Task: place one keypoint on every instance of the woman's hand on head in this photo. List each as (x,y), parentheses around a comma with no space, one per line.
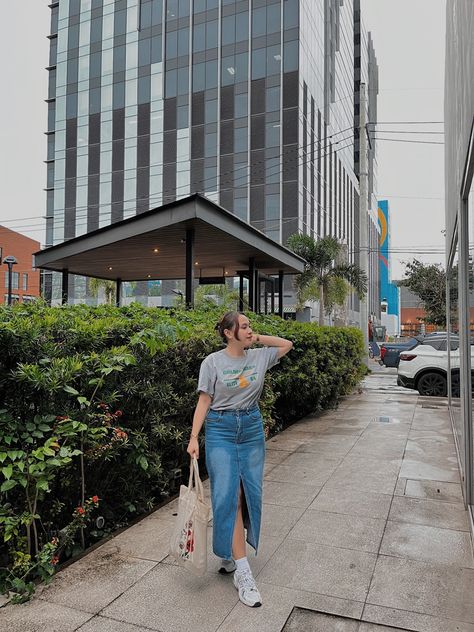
(193,447)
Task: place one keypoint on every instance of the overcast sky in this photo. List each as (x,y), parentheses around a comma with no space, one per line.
(409,43)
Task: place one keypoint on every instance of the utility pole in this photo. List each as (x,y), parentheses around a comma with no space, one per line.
(364,215)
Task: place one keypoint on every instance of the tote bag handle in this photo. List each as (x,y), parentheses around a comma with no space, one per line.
(194,478)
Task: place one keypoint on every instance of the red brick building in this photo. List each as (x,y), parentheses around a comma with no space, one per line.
(25,280)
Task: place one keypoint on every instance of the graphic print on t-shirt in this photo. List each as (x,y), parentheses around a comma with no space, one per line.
(240,378)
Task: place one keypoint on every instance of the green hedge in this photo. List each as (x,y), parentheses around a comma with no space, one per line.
(97,408)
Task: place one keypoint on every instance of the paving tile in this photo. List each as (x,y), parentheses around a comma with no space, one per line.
(276,456)
(414,468)
(436,490)
(324,448)
(285,441)
(148,539)
(268,467)
(103,624)
(166,512)
(300,475)
(429,544)
(351,502)
(362,482)
(373,627)
(410,621)
(279,520)
(317,464)
(437,590)
(269,542)
(382,466)
(400,486)
(95,580)
(312,426)
(278,603)
(289,494)
(170,599)
(321,569)
(437,437)
(302,620)
(433,513)
(340,530)
(40,616)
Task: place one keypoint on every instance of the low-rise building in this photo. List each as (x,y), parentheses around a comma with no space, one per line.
(25,279)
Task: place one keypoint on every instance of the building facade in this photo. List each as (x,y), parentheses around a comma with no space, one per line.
(459,170)
(389,291)
(250,102)
(25,280)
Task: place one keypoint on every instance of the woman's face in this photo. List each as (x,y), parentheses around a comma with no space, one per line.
(244,333)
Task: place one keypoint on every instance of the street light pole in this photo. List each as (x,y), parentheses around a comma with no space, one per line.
(10,261)
(364,218)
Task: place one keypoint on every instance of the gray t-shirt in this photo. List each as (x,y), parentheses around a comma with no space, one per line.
(236,383)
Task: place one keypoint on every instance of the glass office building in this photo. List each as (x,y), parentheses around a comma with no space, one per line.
(250,102)
(459,180)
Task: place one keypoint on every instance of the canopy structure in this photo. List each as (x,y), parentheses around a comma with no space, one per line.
(191,238)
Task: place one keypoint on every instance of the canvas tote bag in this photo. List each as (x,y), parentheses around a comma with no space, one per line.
(189,537)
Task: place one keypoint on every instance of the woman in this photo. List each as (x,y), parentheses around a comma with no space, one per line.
(230,385)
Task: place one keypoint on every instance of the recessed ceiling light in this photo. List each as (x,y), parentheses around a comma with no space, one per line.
(149,276)
(110,267)
(156,250)
(196,263)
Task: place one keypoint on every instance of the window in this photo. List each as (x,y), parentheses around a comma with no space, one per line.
(259,22)
(240,139)
(273,99)
(15,280)
(241,105)
(25,281)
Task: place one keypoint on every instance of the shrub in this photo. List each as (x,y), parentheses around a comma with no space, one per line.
(97,408)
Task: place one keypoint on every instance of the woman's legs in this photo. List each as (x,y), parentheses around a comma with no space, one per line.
(238,540)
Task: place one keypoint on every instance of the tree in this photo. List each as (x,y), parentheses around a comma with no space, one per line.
(109,287)
(326,276)
(428,282)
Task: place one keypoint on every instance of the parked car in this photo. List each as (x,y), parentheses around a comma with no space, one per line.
(425,368)
(390,351)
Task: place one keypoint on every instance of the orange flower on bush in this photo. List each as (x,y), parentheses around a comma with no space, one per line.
(120,434)
(95,499)
(54,560)
(80,510)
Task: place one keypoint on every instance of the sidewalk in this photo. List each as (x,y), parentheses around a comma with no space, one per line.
(363,520)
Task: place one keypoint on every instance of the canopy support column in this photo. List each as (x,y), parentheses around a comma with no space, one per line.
(189,268)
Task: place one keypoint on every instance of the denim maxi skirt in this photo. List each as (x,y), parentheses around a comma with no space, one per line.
(235,453)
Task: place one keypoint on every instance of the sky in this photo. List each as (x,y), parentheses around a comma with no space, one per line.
(411,76)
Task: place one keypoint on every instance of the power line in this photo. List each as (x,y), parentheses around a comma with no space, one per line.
(407,197)
(81,212)
(406,123)
(418,142)
(398,131)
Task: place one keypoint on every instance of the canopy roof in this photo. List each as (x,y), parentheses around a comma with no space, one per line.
(152,245)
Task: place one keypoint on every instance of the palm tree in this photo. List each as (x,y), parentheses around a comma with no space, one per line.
(326,276)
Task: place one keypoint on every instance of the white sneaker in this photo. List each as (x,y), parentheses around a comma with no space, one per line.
(248,592)
(227,567)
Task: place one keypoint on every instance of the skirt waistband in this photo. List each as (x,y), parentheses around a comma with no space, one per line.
(235,410)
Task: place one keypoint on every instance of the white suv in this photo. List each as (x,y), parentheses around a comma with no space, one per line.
(425,368)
